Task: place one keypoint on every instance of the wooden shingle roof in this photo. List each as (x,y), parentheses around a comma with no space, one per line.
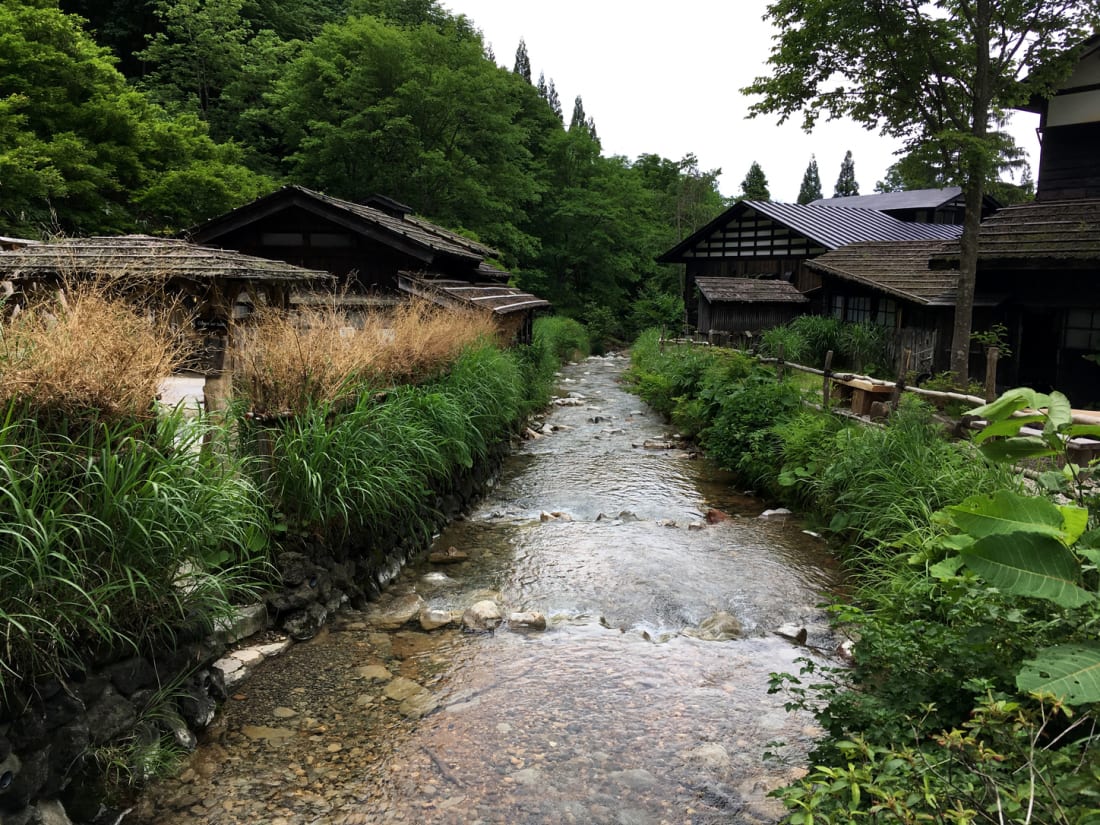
(415,234)
(123,256)
(1065,234)
(898,268)
(498,298)
(749,291)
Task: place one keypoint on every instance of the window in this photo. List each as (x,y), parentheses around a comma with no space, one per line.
(858,310)
(281,239)
(887,314)
(1082,329)
(836,308)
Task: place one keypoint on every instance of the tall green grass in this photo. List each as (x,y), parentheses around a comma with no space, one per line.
(114,541)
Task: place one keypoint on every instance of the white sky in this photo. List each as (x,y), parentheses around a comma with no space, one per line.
(664,79)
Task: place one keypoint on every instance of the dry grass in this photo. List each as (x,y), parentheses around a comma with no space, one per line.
(78,351)
(285,362)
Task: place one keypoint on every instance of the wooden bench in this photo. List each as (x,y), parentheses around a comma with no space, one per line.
(861,394)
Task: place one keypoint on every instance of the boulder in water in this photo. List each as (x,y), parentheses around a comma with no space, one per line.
(482,616)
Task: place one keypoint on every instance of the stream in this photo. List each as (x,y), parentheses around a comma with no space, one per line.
(620,711)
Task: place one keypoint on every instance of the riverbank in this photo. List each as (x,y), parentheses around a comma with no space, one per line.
(148,534)
(623,709)
(937,693)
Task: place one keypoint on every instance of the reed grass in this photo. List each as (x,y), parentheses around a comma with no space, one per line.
(286,362)
(116,540)
(81,351)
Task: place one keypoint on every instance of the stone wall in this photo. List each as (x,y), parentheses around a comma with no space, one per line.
(49,732)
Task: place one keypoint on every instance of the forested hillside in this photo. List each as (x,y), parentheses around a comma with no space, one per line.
(151,116)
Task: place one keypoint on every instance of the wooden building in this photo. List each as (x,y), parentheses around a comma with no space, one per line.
(512,308)
(892,285)
(366,244)
(1069,123)
(207,288)
(741,308)
(945,205)
(371,247)
(760,239)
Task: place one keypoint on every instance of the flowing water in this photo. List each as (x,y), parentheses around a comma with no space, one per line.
(614,714)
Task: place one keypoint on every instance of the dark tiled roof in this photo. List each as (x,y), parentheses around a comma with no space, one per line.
(899,268)
(1029,234)
(499,298)
(749,291)
(142,256)
(885,201)
(835,226)
(827,226)
(420,232)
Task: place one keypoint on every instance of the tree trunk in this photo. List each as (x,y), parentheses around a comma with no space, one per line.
(976,161)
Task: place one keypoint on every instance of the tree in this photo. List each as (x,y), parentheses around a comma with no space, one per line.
(755,185)
(523,62)
(926,167)
(935,73)
(846,183)
(580,121)
(549,93)
(811,183)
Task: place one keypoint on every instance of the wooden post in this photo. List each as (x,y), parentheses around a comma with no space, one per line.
(899,386)
(779,363)
(991,356)
(827,379)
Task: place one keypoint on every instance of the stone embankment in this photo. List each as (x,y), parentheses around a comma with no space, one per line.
(56,735)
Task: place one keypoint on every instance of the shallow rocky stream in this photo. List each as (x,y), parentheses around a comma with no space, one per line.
(620,711)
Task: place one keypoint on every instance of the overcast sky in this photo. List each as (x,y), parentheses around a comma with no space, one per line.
(664,79)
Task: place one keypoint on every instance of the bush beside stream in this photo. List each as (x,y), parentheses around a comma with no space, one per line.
(128,536)
(927,722)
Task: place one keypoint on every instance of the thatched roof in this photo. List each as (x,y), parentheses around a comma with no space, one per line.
(749,291)
(1065,234)
(898,268)
(500,299)
(143,256)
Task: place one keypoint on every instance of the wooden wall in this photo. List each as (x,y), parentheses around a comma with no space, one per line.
(1069,166)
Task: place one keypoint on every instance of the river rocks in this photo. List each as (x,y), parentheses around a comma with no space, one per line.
(556,515)
(396,613)
(452,555)
(482,617)
(710,756)
(131,674)
(778,513)
(110,716)
(793,632)
(302,625)
(374,673)
(667,522)
(527,621)
(569,402)
(715,516)
(415,700)
(246,621)
(650,444)
(433,619)
(717,628)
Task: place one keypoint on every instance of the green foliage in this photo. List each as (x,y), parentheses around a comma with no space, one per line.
(755,185)
(811,183)
(846,184)
(359,473)
(564,338)
(115,540)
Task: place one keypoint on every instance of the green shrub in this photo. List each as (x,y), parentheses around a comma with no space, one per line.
(819,334)
(790,340)
(565,338)
(114,541)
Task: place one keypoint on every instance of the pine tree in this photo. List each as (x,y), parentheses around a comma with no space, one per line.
(554,101)
(755,185)
(579,117)
(540,87)
(846,184)
(523,62)
(811,183)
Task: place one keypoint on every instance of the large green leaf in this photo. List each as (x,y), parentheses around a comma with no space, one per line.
(1009,512)
(1011,401)
(1014,449)
(1059,411)
(1070,672)
(1076,522)
(1009,426)
(1029,564)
